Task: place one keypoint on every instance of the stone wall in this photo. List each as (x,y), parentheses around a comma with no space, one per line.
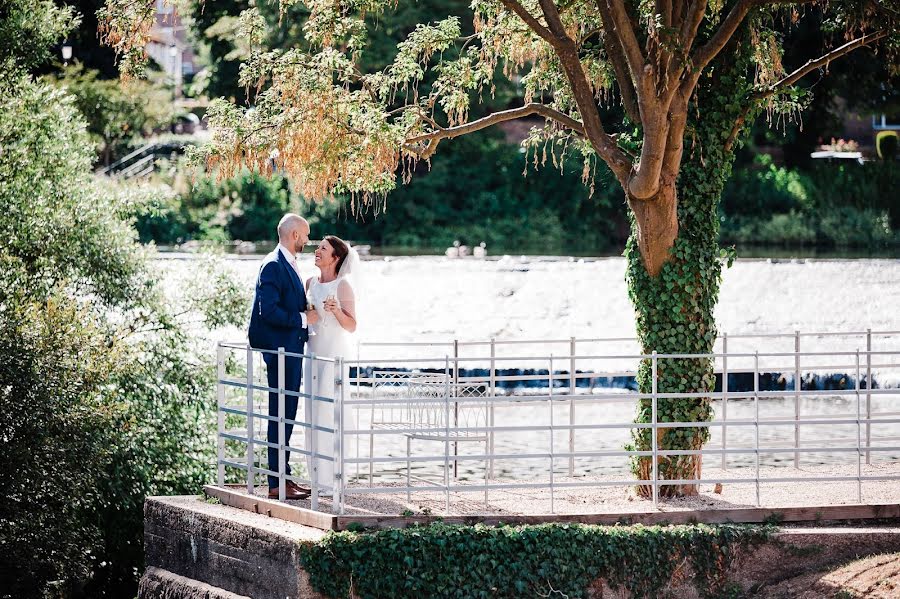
(201,550)
(198,549)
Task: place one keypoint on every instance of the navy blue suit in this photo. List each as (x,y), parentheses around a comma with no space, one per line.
(275,322)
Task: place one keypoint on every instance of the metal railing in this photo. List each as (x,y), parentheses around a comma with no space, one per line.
(555,422)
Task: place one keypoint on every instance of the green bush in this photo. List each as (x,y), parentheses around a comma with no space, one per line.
(848,226)
(563,560)
(104,388)
(833,205)
(763,188)
(872,186)
(779,229)
(246,207)
(57,434)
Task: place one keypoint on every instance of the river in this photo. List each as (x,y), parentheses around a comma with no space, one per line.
(426,298)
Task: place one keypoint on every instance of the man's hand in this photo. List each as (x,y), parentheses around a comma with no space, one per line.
(312,317)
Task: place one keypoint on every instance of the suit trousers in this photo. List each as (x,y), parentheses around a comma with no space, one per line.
(291,383)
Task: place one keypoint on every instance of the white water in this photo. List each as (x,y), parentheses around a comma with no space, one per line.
(436,299)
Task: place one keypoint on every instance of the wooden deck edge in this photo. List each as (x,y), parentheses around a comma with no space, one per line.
(271,508)
(775,515)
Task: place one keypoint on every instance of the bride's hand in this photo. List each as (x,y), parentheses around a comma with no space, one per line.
(331,305)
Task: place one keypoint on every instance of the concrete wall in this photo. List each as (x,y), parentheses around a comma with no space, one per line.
(196,549)
(200,550)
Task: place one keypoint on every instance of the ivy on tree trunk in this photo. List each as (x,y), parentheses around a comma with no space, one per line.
(675,309)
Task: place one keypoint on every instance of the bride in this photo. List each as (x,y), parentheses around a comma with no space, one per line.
(331,295)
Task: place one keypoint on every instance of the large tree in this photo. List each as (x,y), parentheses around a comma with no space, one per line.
(690,76)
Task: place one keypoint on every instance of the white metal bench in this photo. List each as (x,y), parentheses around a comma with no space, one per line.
(432,410)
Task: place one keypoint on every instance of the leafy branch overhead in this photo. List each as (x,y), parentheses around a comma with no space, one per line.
(337,129)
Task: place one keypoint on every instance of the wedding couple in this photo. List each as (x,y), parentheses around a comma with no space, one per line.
(318,315)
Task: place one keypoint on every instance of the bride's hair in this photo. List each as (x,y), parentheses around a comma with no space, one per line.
(341,250)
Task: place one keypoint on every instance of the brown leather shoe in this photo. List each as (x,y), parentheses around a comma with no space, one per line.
(291,491)
(291,485)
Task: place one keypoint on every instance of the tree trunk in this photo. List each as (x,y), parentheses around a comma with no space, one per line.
(656,226)
(674,283)
(674,273)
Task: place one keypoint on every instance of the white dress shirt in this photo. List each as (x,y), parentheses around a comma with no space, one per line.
(292,259)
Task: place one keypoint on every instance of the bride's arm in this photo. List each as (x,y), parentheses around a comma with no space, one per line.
(346,314)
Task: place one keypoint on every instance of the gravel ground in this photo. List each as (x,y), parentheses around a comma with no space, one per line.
(621,499)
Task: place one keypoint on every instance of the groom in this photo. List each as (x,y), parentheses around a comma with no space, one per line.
(280,319)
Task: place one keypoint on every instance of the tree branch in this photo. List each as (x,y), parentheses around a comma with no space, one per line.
(735,17)
(625,33)
(551,15)
(696,10)
(626,85)
(612,42)
(820,62)
(796,75)
(529,19)
(499,117)
(582,92)
(664,10)
(708,51)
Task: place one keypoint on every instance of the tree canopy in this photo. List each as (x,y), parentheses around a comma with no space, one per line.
(334,127)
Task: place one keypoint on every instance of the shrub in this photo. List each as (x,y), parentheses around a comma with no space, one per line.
(765,189)
(523,561)
(57,431)
(835,204)
(105,391)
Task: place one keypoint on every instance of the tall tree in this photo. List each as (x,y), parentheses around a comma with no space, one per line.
(690,75)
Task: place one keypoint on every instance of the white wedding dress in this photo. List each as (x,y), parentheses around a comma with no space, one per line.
(328,339)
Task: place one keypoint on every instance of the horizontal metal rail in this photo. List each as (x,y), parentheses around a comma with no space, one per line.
(447,394)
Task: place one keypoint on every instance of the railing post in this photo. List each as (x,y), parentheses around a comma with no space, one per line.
(491,412)
(220,415)
(572,383)
(858,434)
(653,430)
(868,395)
(455,404)
(250,424)
(358,409)
(447,434)
(756,418)
(314,434)
(724,401)
(550,403)
(282,442)
(337,497)
(797,386)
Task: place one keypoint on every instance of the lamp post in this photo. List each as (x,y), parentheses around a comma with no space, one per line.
(66,53)
(175,54)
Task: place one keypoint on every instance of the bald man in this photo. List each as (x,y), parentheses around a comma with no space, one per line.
(280,318)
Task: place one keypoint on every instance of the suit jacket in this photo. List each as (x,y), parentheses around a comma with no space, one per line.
(279,299)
